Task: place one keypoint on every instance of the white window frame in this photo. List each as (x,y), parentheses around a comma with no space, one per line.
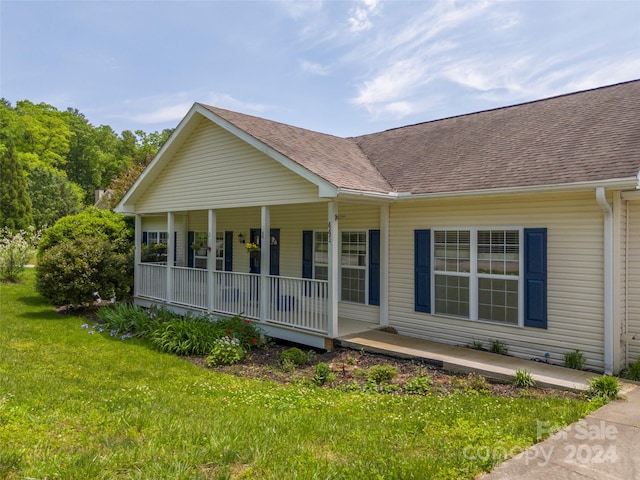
(474,276)
(365,267)
(200,234)
(157,234)
(315,244)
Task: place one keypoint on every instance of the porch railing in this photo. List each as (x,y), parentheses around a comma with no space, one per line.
(151,281)
(294,302)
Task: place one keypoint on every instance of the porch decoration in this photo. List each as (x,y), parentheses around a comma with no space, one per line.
(252,247)
(199,248)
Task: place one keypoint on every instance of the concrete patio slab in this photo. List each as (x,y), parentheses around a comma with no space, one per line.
(465,360)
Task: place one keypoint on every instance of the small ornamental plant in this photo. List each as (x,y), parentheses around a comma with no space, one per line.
(524,379)
(252,247)
(575,360)
(226,351)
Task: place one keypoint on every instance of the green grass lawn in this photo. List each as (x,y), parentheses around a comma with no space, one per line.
(79,406)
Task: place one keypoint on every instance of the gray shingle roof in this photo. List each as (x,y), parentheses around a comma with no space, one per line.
(581,137)
(338,160)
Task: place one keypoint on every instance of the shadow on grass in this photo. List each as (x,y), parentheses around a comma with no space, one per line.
(38,308)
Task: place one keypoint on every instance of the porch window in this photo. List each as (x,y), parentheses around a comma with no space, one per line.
(353,266)
(154,246)
(476,274)
(200,251)
(321,255)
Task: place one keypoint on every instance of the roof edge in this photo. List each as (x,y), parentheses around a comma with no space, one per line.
(615,183)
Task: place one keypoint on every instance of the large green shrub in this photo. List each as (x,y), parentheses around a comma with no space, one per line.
(90,223)
(80,271)
(85,256)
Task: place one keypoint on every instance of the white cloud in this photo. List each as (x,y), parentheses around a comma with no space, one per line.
(314,68)
(170,113)
(360,16)
(297,9)
(407,56)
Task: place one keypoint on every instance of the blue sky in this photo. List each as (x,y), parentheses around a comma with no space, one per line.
(340,67)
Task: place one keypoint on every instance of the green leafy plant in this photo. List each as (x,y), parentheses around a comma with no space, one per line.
(418,385)
(187,336)
(524,379)
(85,257)
(323,374)
(226,351)
(82,271)
(575,360)
(380,374)
(633,371)
(293,355)
(605,387)
(477,345)
(498,346)
(16,249)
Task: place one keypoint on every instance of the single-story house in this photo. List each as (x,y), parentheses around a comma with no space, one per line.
(519,224)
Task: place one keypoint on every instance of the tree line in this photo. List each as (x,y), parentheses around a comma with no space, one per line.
(52,162)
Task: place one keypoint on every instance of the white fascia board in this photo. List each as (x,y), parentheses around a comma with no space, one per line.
(122,206)
(326,189)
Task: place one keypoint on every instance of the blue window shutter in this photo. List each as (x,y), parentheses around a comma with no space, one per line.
(191,238)
(307,254)
(422,275)
(228,251)
(144,238)
(535,277)
(374,267)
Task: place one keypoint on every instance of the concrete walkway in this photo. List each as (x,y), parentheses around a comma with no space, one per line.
(603,446)
(465,360)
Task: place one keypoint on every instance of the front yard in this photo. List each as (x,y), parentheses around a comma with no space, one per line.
(79,406)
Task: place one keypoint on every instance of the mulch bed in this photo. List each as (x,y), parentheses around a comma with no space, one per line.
(350,365)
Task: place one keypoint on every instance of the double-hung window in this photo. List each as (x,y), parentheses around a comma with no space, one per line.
(200,249)
(155,246)
(353,266)
(320,255)
(477,274)
(359,254)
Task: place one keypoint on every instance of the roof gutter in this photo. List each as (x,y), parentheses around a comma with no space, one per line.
(601,198)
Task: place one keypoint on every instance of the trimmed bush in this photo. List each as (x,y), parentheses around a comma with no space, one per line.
(293,356)
(80,271)
(379,374)
(86,256)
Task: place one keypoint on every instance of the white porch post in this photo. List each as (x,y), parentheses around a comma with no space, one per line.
(384,265)
(171,248)
(137,251)
(212,228)
(265,262)
(334,269)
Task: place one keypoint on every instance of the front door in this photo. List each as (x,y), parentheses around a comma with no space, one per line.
(274,251)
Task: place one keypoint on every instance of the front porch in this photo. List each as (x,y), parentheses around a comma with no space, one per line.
(296,303)
(247,261)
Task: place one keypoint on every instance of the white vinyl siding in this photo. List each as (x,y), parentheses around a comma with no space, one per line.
(215,169)
(574,261)
(633,278)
